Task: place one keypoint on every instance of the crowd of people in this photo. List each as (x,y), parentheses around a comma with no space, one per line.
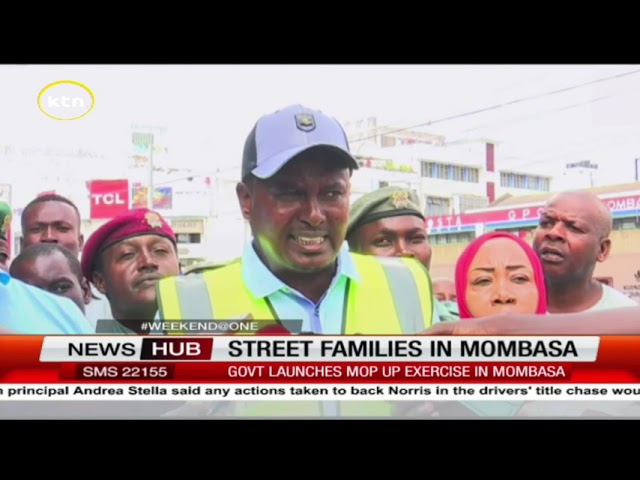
(341,268)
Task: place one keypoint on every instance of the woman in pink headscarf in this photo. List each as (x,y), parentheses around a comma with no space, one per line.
(497,273)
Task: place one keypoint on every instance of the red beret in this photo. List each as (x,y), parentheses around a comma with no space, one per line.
(140,221)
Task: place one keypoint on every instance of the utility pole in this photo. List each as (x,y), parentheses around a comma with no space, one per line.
(151,189)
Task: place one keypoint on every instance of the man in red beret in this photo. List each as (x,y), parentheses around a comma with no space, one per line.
(124,259)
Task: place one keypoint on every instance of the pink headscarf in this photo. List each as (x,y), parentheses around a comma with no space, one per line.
(464,262)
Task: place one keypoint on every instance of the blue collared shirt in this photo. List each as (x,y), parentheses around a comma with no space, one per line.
(320,318)
(25,309)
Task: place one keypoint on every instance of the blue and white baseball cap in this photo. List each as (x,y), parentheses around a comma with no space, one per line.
(278,137)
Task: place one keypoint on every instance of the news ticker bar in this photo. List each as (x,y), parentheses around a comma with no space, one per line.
(354,373)
(319,359)
(318,349)
(282,392)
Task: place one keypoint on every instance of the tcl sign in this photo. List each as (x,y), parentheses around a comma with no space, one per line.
(108,198)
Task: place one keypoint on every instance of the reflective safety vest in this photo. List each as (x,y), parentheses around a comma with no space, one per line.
(394,296)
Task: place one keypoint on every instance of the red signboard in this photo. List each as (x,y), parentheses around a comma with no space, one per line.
(620,205)
(108,198)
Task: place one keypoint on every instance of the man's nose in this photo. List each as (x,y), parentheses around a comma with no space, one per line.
(146,260)
(402,249)
(557,232)
(48,235)
(314,214)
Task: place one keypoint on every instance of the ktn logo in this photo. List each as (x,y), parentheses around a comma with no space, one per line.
(66,100)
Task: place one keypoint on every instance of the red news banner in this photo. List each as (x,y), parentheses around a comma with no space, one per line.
(320,360)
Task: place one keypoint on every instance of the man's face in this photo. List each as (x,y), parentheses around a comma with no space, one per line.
(299,216)
(52,222)
(404,235)
(53,274)
(131,268)
(444,290)
(569,240)
(4,254)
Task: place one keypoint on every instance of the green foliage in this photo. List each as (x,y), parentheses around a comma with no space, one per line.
(391,166)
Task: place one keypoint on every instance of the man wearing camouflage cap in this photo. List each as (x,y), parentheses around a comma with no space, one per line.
(389,222)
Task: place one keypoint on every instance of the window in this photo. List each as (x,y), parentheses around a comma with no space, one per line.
(626,223)
(470,202)
(436,206)
(545,184)
(450,238)
(524,181)
(455,173)
(189,237)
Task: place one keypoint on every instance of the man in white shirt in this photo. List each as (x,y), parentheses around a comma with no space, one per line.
(571,238)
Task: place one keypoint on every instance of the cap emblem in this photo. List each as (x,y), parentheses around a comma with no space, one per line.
(305,122)
(153,220)
(400,199)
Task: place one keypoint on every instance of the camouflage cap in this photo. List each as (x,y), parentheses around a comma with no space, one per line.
(5,219)
(383,203)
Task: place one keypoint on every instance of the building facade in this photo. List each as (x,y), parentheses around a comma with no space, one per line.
(449,234)
(450,177)
(467,188)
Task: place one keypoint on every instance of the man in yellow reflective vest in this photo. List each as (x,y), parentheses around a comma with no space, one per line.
(295,191)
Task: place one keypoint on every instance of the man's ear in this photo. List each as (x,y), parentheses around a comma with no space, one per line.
(86,291)
(605,249)
(244,199)
(81,241)
(98,281)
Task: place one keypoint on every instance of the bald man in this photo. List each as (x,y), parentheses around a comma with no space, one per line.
(444,289)
(571,238)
